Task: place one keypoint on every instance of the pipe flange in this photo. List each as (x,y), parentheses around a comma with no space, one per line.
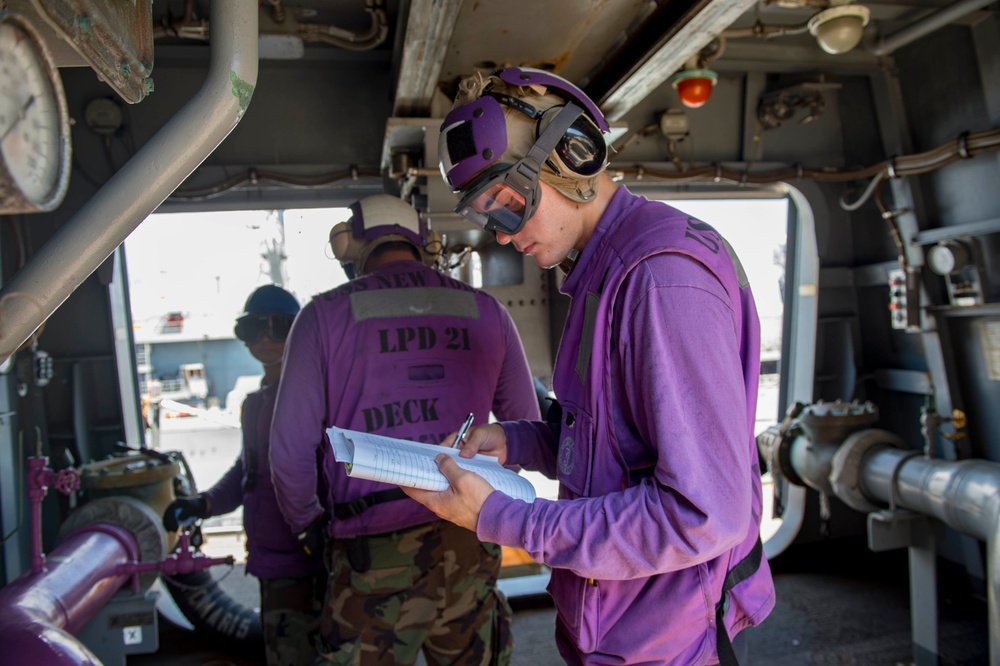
(781,459)
(845,468)
(830,422)
(132,515)
(775,445)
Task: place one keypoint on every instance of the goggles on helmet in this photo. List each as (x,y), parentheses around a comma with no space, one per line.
(252,327)
(505,196)
(500,200)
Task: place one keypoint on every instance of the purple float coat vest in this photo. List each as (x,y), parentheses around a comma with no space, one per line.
(272,550)
(657,375)
(405,352)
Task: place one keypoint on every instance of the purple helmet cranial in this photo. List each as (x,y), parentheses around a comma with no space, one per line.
(474,135)
(496,162)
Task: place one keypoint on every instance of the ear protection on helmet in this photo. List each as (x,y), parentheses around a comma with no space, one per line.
(378,220)
(581,150)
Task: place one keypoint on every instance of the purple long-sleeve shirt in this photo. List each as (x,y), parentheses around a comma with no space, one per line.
(405,351)
(656,452)
(272,550)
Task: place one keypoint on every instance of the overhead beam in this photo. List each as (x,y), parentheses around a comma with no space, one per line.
(429,27)
(683,36)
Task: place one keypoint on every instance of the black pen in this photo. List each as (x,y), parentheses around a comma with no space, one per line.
(462,431)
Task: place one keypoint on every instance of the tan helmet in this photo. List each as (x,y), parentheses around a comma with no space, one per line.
(375,221)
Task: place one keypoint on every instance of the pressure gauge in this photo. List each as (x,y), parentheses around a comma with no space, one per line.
(948,257)
(34,122)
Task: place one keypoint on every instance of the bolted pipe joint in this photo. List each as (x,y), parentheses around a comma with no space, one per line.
(805,448)
(831,422)
(774,445)
(848,461)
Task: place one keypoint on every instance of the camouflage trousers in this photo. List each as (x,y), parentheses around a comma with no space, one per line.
(430,587)
(289,615)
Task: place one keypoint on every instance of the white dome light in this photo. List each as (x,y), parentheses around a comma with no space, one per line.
(839,29)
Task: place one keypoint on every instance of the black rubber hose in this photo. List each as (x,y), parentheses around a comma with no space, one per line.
(214,614)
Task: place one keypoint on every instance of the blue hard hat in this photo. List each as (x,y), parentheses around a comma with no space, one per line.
(271,299)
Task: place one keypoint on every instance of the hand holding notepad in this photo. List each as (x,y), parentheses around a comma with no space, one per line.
(405,463)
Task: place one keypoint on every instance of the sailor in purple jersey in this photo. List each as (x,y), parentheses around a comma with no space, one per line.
(654,541)
(291,579)
(405,351)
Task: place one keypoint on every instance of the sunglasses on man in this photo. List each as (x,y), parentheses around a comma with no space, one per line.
(250,328)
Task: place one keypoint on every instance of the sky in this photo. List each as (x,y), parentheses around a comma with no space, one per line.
(206,264)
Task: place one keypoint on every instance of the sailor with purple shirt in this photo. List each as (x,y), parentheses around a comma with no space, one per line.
(291,578)
(405,351)
(654,541)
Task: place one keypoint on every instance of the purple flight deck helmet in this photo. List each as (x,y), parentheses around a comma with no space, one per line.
(502,196)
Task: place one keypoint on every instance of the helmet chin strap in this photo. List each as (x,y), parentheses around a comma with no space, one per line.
(567,264)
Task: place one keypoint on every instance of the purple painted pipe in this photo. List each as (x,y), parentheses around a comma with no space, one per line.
(40,611)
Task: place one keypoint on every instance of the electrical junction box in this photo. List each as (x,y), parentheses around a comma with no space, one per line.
(897,299)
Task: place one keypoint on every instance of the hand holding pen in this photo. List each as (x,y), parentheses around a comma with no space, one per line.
(463,430)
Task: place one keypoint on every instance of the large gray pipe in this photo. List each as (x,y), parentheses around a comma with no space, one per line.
(927,25)
(104,222)
(965,495)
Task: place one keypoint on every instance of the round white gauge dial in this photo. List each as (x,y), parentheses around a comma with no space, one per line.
(948,257)
(34,122)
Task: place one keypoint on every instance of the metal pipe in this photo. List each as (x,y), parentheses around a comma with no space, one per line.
(965,495)
(104,222)
(39,479)
(926,25)
(40,612)
(37,489)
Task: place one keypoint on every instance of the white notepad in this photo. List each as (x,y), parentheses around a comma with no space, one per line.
(405,463)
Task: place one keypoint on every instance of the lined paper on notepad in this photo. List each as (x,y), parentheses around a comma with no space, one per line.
(405,463)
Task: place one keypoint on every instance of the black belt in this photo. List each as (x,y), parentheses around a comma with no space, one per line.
(746,568)
(358,506)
